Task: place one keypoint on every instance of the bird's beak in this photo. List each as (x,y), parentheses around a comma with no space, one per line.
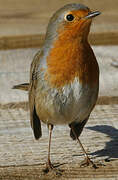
(92,14)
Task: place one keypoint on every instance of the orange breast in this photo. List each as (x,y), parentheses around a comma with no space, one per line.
(70,59)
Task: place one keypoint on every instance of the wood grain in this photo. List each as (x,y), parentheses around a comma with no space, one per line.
(33,40)
(22,157)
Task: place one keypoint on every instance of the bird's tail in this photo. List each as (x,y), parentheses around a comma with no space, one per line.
(24,86)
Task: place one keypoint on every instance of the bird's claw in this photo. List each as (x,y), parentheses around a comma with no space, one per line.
(51,167)
(88,162)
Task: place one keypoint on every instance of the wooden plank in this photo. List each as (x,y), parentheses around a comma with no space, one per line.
(70,172)
(25,41)
(23,24)
(105,38)
(22,157)
(29,41)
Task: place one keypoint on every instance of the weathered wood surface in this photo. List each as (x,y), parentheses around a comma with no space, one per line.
(37,40)
(23,23)
(22,157)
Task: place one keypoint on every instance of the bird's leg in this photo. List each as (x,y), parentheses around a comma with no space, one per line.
(88,161)
(49,165)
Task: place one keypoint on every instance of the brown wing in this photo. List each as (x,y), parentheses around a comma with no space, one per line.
(34,119)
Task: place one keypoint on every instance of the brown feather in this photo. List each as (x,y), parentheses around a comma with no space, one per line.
(34,119)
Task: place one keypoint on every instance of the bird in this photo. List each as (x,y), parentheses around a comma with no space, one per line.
(64,76)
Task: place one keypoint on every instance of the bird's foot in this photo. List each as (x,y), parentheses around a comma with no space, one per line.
(51,168)
(88,162)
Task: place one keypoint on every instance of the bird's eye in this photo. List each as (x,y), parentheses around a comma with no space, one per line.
(69,17)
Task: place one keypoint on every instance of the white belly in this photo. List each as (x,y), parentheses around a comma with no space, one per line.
(73,103)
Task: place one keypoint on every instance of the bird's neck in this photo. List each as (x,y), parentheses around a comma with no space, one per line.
(70,59)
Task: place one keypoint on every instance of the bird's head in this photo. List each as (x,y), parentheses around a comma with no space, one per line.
(71,21)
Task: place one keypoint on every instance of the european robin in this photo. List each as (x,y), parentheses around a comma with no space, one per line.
(64,75)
